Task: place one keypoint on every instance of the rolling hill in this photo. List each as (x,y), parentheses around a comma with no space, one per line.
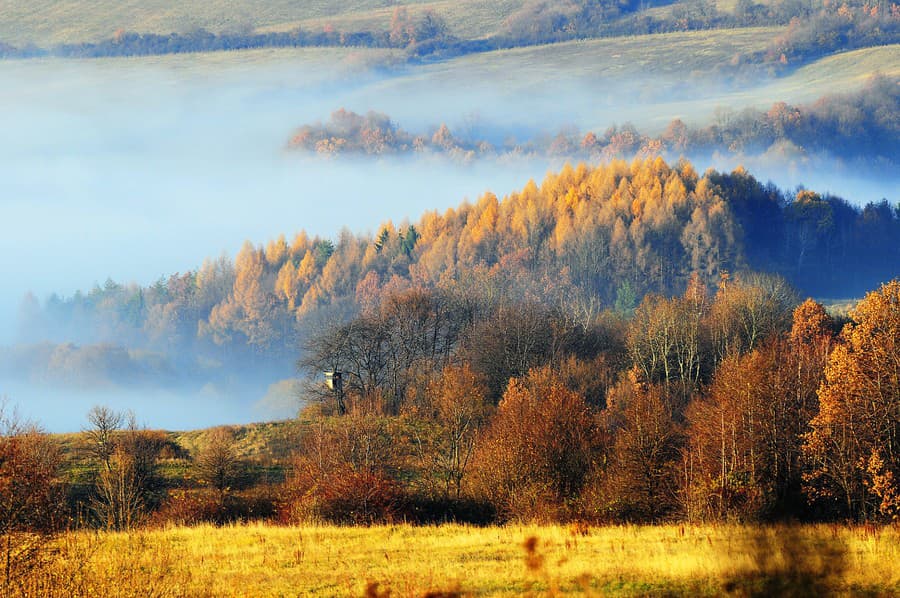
(46,22)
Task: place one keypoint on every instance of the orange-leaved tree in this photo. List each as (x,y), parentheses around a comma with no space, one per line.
(31,501)
(536,454)
(639,481)
(745,435)
(457,403)
(854,445)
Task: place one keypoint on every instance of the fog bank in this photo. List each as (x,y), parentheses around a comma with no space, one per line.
(134,169)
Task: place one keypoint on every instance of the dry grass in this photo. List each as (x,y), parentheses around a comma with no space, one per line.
(257,560)
(270,440)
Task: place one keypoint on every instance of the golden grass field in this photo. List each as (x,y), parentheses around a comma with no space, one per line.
(260,560)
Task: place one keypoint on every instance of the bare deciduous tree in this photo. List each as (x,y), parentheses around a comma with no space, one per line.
(104,422)
(218,464)
(126,483)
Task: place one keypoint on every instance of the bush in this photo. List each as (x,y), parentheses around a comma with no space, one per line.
(347,472)
(188,507)
(344,496)
(31,501)
(192,507)
(534,457)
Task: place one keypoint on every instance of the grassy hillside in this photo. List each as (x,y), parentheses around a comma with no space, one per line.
(260,560)
(46,22)
(599,73)
(836,74)
(608,67)
(465,18)
(269,440)
(607,78)
(603,81)
(666,54)
(595,75)
(263,449)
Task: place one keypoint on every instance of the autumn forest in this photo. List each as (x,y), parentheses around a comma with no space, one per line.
(586,241)
(536,298)
(574,350)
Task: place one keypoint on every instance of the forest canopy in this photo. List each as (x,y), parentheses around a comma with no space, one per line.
(623,342)
(586,238)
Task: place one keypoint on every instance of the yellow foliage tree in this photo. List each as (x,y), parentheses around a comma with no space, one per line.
(854,444)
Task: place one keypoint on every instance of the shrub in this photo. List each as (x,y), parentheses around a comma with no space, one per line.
(343,496)
(31,501)
(188,507)
(195,506)
(347,472)
(534,457)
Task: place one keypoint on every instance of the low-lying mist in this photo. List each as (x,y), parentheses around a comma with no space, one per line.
(135,169)
(61,409)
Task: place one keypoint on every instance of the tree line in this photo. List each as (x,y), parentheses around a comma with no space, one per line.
(742,404)
(587,239)
(737,403)
(596,348)
(861,128)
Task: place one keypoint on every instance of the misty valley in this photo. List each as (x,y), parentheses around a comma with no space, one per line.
(138,172)
(450,299)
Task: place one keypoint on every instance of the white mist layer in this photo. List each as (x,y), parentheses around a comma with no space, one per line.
(135,169)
